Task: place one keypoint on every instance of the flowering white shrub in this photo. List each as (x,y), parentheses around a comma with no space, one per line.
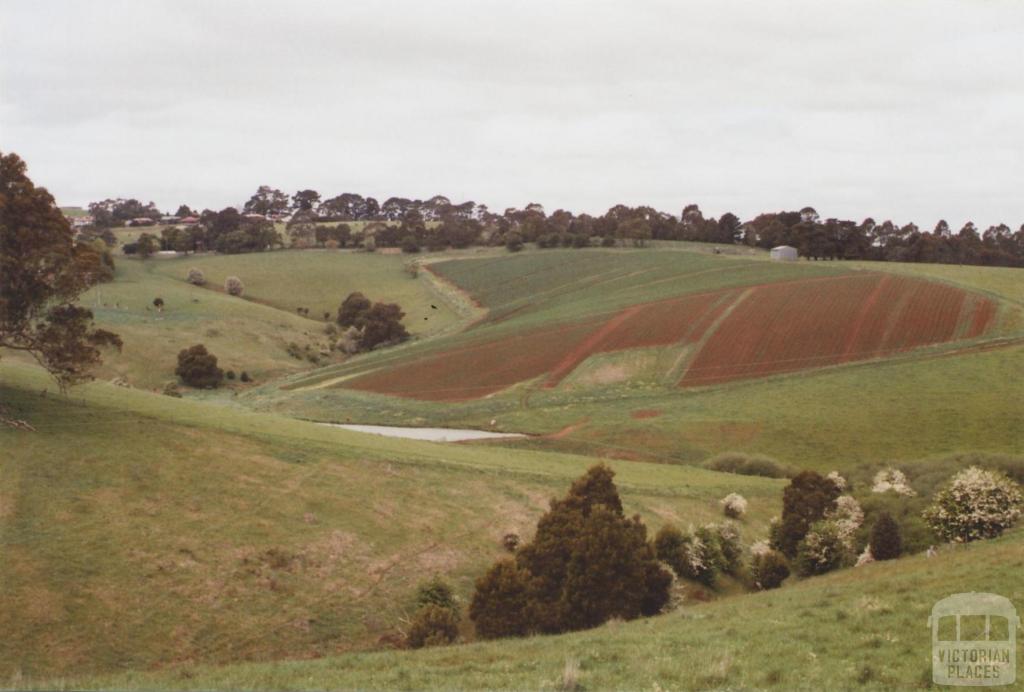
(848,517)
(727,536)
(976,504)
(761,547)
(837,480)
(892,480)
(195,276)
(234,286)
(822,549)
(734,505)
(865,558)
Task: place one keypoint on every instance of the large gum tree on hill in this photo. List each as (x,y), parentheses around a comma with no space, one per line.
(42,272)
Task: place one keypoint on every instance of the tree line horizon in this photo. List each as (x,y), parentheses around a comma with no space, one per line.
(403,222)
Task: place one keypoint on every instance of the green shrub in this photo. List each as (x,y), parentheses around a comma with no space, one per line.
(230,374)
(432,625)
(806,500)
(749,465)
(821,550)
(976,504)
(195,276)
(510,541)
(886,541)
(503,601)
(198,368)
(768,569)
(730,551)
(436,592)
(587,563)
(514,242)
(244,377)
(688,555)
(233,286)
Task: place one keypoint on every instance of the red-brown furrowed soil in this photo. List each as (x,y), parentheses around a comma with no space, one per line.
(797,325)
(777,328)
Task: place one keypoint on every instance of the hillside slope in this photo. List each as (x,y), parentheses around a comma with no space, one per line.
(602,385)
(140,530)
(864,628)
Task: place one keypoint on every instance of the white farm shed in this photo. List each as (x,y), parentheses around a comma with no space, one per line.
(784,253)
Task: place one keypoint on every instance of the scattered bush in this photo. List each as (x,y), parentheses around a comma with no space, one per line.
(432,626)
(588,563)
(687,555)
(806,500)
(886,542)
(352,309)
(198,368)
(376,324)
(749,465)
(768,568)
(848,517)
(502,604)
(158,303)
(892,480)
(410,245)
(728,539)
(349,341)
(514,242)
(382,326)
(171,389)
(244,377)
(510,541)
(734,505)
(976,504)
(233,286)
(196,276)
(436,592)
(821,550)
(230,374)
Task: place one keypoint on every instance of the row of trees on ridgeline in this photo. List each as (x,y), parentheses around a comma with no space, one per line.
(438,223)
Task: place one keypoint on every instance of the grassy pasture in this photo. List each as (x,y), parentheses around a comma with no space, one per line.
(251,333)
(320,280)
(245,335)
(863,628)
(140,530)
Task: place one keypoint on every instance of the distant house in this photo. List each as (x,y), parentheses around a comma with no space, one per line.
(190,220)
(141,221)
(169,220)
(79,221)
(784,253)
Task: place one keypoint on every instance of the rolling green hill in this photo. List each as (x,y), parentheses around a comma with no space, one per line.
(253,333)
(862,628)
(937,399)
(141,530)
(221,541)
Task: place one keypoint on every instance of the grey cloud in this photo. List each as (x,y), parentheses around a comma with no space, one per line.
(890,108)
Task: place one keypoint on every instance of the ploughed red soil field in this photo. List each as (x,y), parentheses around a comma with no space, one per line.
(739,334)
(805,324)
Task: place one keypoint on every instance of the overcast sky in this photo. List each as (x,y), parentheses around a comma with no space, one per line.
(894,109)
